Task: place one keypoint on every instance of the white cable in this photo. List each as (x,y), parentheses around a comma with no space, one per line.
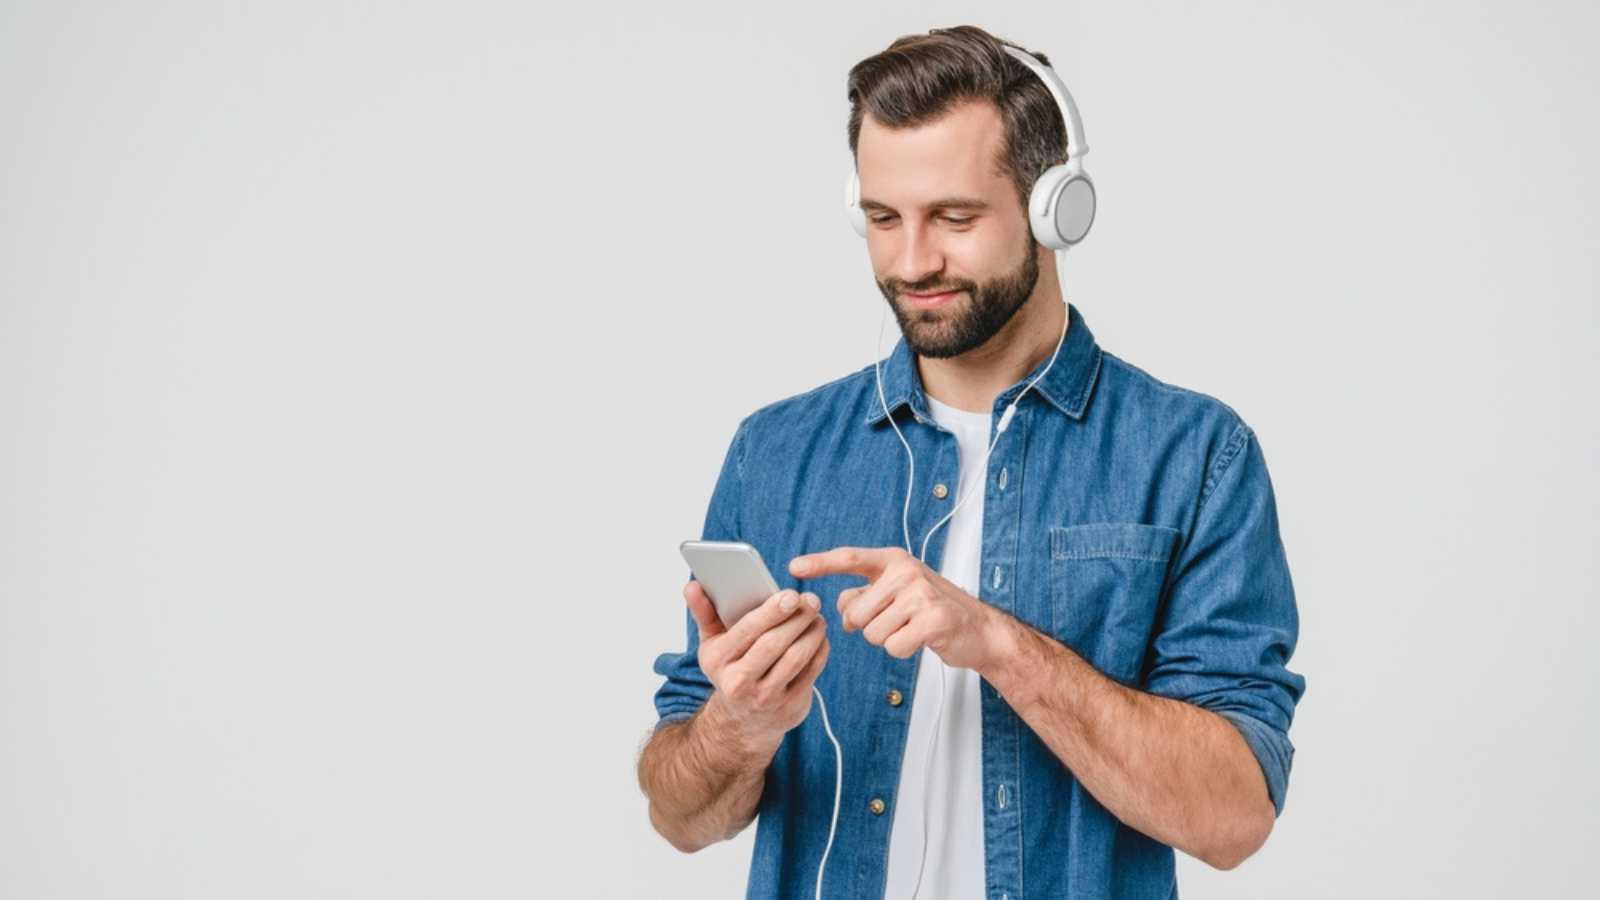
(838,785)
(905,525)
(911,458)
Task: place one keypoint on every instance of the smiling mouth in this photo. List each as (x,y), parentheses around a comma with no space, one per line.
(930,300)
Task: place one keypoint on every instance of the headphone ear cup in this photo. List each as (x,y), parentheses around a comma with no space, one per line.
(1061,206)
(852,205)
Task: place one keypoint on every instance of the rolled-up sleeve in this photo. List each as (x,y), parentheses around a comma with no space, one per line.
(686,687)
(1231,624)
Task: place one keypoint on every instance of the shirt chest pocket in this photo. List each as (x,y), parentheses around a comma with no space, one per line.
(1105,587)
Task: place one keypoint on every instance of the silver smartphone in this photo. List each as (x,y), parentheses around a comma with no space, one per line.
(733,575)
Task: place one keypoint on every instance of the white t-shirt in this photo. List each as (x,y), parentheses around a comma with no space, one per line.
(953,784)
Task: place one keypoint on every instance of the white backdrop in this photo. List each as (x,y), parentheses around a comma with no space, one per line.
(362,365)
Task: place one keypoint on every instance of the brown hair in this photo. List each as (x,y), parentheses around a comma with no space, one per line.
(920,76)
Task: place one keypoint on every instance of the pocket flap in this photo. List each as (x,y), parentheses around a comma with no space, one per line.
(1124,540)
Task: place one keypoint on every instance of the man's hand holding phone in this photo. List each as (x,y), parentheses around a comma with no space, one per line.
(763,667)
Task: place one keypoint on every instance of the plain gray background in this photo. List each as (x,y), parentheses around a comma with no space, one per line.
(362,365)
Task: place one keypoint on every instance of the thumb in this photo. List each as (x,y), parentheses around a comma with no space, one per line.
(705,615)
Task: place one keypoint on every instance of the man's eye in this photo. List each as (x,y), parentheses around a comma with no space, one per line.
(958,220)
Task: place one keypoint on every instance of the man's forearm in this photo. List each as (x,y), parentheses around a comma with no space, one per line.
(1178,773)
(704,781)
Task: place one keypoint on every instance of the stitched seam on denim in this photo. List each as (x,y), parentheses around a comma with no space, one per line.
(893,400)
(1236,441)
(895,403)
(804,394)
(1110,554)
(1060,547)
(1069,407)
(737,501)
(1169,388)
(738,446)
(1026,433)
(1016,746)
(1088,384)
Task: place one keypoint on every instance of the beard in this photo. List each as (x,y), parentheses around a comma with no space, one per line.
(956,327)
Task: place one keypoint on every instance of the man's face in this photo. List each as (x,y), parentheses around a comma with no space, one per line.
(941,219)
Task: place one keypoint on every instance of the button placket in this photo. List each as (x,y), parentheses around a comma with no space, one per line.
(1002,535)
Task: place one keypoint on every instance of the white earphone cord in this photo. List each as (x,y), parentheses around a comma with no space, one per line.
(911,465)
(838,785)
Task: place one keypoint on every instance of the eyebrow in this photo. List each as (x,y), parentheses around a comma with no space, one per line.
(970,203)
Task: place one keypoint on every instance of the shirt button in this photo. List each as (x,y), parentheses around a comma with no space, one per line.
(940,491)
(877,806)
(894,697)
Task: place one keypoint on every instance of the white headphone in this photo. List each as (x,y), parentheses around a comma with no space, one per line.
(1062,203)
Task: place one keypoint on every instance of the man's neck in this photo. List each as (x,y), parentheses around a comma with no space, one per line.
(972,380)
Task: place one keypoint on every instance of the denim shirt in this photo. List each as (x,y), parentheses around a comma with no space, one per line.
(1128,519)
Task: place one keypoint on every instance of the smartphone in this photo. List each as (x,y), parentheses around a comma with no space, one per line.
(733,575)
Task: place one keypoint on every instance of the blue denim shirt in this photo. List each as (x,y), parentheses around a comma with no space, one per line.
(1131,520)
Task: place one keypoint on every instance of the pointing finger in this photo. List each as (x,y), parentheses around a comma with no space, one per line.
(868,562)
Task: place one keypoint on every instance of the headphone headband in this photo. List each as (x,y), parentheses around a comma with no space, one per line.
(1077,146)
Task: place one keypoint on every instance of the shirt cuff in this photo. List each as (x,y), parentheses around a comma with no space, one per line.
(1273,751)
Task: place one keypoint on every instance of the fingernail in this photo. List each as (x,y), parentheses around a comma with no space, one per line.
(789,601)
(813,601)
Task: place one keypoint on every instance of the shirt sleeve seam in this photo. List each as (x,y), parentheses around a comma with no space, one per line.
(1237,440)
(738,454)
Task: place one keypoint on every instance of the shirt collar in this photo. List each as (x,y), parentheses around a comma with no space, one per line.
(1066,386)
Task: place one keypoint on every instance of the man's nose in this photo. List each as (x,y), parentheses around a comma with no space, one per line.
(920,256)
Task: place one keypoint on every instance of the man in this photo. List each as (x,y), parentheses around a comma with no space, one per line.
(1087,669)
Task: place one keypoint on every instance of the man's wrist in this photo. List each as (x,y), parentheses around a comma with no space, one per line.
(741,749)
(1013,657)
